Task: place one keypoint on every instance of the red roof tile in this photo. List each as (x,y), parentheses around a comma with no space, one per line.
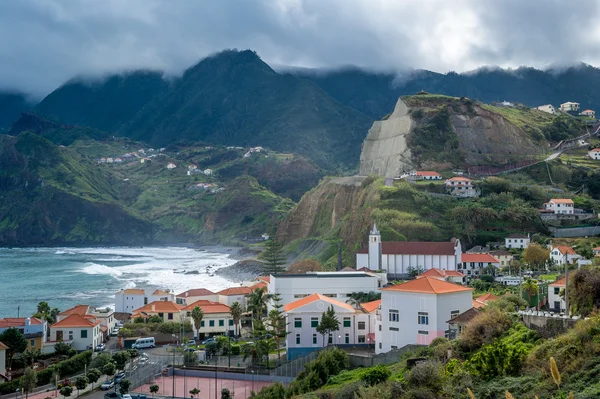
(195,292)
(313,298)
(487,297)
(76,320)
(427,173)
(559,283)
(235,291)
(79,309)
(458,178)
(477,304)
(18,322)
(565,250)
(427,285)
(208,307)
(479,258)
(266,279)
(562,200)
(160,307)
(371,306)
(440,273)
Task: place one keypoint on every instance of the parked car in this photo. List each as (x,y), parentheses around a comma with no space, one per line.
(143,361)
(191,342)
(208,341)
(119,377)
(100,347)
(112,395)
(126,396)
(144,356)
(189,350)
(106,385)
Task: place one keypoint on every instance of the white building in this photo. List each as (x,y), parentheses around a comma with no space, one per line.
(336,285)
(451,276)
(196,294)
(128,300)
(160,295)
(555,301)
(562,254)
(357,326)
(588,112)
(569,107)
(461,187)
(560,206)
(508,280)
(549,108)
(171,165)
(426,175)
(417,312)
(594,154)
(216,321)
(503,256)
(236,294)
(517,241)
(396,258)
(208,171)
(473,265)
(81,332)
(33,329)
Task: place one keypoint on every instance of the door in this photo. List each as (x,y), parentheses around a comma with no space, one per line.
(557,306)
(59,335)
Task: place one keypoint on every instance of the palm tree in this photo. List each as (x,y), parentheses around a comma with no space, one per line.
(236,314)
(257,302)
(197,316)
(530,287)
(354,302)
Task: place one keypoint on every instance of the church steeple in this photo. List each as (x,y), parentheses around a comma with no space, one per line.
(375,249)
(374,231)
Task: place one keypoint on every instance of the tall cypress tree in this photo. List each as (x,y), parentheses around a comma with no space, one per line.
(274,257)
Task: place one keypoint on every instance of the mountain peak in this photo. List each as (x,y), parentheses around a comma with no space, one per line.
(226,60)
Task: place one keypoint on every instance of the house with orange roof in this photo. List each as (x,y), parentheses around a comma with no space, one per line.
(563,254)
(168,311)
(556,302)
(82,332)
(451,276)
(304,315)
(234,294)
(594,154)
(596,251)
(589,113)
(462,187)
(458,323)
(474,265)
(33,329)
(488,297)
(216,321)
(564,206)
(196,294)
(417,311)
(105,316)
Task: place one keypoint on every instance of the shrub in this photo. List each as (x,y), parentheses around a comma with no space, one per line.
(498,359)
(328,363)
(349,391)
(235,350)
(428,375)
(484,328)
(74,364)
(273,391)
(376,375)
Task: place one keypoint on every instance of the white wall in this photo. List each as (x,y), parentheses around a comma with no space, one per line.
(91,341)
(191,299)
(230,299)
(594,154)
(153,298)
(553,296)
(438,307)
(519,243)
(127,303)
(216,329)
(399,264)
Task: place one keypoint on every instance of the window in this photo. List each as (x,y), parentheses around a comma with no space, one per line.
(380,346)
(83,333)
(394,316)
(221,323)
(70,335)
(32,343)
(331,295)
(347,338)
(297,339)
(454,313)
(161,315)
(380,327)
(362,339)
(556,290)
(422,332)
(394,347)
(211,323)
(314,339)
(298,296)
(189,314)
(202,324)
(361,325)
(298,322)
(347,322)
(230,322)
(314,322)
(423,318)
(170,317)
(394,329)
(330,339)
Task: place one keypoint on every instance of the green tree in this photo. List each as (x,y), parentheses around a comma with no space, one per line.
(120,359)
(194,391)
(81,383)
(28,381)
(139,320)
(154,389)
(236,311)
(413,272)
(257,302)
(197,316)
(274,257)
(15,341)
(93,375)
(329,323)
(31,355)
(61,349)
(277,323)
(109,369)
(536,255)
(44,311)
(155,319)
(66,391)
(124,386)
(226,394)
(530,287)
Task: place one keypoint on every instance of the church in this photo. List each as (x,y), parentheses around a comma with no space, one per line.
(396,258)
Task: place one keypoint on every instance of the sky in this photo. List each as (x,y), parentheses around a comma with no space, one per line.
(44,43)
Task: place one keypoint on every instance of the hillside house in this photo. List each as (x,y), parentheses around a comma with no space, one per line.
(517,241)
(589,113)
(190,296)
(33,329)
(569,107)
(357,325)
(216,321)
(208,172)
(451,276)
(461,187)
(596,251)
(171,165)
(508,280)
(81,332)
(562,254)
(399,258)
(548,108)
(503,256)
(474,265)
(192,167)
(425,175)
(560,206)
(104,316)
(417,312)
(594,154)
(556,302)
(458,323)
(336,285)
(168,311)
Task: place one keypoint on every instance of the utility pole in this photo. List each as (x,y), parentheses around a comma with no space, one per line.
(567,288)
(520,282)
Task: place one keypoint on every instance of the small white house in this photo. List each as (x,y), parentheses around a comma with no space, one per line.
(461,187)
(171,165)
(427,175)
(473,265)
(594,154)
(555,301)
(563,254)
(417,312)
(560,206)
(517,241)
(216,321)
(208,172)
(589,113)
(81,332)
(357,326)
(548,108)
(196,294)
(569,107)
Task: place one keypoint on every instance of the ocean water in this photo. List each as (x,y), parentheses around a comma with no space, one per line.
(65,277)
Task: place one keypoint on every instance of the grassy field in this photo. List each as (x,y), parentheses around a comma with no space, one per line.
(521,117)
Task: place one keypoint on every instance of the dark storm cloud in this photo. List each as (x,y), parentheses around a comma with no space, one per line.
(46,42)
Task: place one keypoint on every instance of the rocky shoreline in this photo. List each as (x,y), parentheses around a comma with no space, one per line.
(244,270)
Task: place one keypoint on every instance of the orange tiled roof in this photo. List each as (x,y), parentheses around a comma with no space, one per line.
(3,347)
(235,291)
(561,200)
(458,178)
(208,307)
(440,273)
(266,279)
(371,306)
(76,320)
(479,258)
(262,284)
(79,309)
(160,293)
(18,321)
(159,307)
(487,297)
(477,304)
(565,250)
(595,150)
(132,291)
(559,283)
(427,285)
(313,298)
(596,249)
(195,292)
(427,173)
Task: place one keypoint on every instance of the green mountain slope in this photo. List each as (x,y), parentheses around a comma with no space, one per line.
(11,107)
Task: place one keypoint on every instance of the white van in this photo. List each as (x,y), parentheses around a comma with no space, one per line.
(142,343)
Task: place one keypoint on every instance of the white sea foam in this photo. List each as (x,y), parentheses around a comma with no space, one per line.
(94,268)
